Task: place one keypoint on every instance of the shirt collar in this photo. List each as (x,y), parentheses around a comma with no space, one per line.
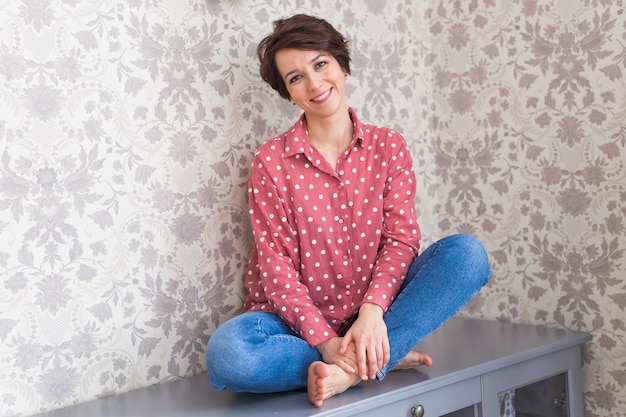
(297,139)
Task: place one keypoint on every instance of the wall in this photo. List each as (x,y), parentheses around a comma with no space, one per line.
(127,128)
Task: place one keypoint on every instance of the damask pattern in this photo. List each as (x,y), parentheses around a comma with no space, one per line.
(127,130)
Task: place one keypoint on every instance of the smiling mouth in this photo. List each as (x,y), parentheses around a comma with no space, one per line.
(322,96)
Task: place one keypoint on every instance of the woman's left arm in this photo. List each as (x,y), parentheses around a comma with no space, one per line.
(398,246)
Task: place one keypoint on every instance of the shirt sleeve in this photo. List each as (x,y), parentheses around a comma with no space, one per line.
(401,234)
(277,246)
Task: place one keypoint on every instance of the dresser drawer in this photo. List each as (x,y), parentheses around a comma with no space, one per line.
(435,403)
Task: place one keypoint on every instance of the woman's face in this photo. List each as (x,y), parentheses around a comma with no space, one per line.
(315,81)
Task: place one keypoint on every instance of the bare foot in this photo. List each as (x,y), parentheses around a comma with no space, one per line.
(326,380)
(414,359)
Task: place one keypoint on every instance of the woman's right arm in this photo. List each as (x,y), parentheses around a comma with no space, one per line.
(277,246)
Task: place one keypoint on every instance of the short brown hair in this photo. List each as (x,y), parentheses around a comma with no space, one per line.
(300,32)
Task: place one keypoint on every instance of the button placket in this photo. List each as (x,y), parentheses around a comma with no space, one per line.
(341,218)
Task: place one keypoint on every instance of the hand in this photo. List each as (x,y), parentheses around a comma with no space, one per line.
(330,351)
(368,335)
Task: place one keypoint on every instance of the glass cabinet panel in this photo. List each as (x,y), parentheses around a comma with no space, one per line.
(545,398)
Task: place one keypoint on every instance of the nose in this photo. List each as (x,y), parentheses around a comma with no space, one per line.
(313,82)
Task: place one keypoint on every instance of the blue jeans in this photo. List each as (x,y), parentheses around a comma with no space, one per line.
(257,352)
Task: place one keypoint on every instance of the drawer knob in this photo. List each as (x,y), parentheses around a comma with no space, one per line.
(417,411)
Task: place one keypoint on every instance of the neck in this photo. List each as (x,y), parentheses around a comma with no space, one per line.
(331,136)
(333,132)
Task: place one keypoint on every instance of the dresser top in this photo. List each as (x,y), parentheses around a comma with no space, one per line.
(462,348)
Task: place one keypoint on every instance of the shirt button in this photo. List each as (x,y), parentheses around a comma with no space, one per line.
(345,257)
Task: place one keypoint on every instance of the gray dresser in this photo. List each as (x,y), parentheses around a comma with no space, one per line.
(477,363)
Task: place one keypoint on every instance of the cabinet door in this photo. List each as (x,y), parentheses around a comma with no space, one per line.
(435,403)
(545,371)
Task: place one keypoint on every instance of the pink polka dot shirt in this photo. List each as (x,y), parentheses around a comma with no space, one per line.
(328,240)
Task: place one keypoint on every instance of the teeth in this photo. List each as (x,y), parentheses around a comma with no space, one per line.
(322,97)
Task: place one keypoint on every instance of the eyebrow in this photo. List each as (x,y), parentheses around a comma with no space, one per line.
(294,71)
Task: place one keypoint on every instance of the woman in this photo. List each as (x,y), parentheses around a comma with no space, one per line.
(337,294)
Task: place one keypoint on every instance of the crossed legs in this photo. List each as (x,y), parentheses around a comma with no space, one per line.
(257,352)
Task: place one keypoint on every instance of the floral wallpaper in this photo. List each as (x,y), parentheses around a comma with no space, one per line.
(127,129)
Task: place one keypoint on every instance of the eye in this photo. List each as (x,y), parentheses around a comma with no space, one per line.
(320,64)
(294,78)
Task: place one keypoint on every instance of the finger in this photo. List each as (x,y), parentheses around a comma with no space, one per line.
(380,356)
(344,364)
(345,343)
(372,361)
(361,358)
(386,353)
